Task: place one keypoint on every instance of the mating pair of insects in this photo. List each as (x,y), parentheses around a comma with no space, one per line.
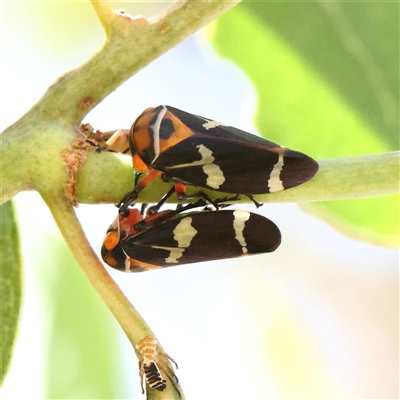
(187,149)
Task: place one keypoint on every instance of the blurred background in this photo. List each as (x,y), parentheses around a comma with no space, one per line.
(319,318)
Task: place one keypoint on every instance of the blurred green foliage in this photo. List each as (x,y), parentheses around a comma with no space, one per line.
(84,355)
(326,76)
(11,284)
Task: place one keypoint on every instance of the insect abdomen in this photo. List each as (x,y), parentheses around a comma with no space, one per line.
(153,377)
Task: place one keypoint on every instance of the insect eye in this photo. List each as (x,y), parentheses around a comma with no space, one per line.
(140,226)
(124,212)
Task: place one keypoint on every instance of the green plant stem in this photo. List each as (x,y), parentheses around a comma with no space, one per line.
(337,179)
(32,145)
(73,234)
(131,44)
(129,319)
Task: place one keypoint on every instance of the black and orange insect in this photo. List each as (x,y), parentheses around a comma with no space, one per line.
(188,149)
(134,243)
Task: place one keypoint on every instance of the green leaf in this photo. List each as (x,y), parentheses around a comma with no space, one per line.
(84,354)
(326,76)
(11,285)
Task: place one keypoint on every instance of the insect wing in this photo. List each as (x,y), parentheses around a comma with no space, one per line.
(206,153)
(203,236)
(235,167)
(217,129)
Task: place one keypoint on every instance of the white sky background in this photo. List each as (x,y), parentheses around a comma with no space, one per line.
(320,295)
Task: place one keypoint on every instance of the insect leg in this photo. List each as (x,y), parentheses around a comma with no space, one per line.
(130,197)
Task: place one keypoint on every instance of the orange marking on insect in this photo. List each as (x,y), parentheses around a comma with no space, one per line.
(153,174)
(110,260)
(145,266)
(127,224)
(140,135)
(180,189)
(138,163)
(111,240)
(181,132)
